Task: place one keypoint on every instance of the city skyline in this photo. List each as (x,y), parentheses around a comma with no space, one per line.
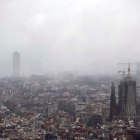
(69,69)
(91,37)
(23,73)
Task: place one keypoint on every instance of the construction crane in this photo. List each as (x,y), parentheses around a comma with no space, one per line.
(123,72)
(128,67)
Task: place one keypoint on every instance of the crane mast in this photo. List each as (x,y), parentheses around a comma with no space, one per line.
(129,76)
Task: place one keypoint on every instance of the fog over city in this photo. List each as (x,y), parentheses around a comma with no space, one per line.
(90,37)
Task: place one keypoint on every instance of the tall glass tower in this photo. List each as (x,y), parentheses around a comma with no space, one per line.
(16,65)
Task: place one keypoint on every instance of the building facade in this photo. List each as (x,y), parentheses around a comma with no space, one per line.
(127,98)
(16,65)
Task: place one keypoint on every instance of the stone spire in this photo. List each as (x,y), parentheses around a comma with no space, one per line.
(112,103)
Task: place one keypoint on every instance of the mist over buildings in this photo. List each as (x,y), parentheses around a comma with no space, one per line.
(90,37)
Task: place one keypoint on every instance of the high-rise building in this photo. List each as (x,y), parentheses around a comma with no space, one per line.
(112,103)
(127,97)
(16,65)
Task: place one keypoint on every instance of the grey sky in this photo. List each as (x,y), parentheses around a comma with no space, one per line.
(89,36)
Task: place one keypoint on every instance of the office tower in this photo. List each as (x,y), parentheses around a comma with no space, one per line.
(16,65)
(127,97)
(112,102)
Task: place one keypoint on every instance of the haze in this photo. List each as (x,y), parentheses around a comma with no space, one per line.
(69,35)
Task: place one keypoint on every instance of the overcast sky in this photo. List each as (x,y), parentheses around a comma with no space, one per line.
(89,36)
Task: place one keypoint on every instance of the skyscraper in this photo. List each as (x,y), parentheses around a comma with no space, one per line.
(112,103)
(16,65)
